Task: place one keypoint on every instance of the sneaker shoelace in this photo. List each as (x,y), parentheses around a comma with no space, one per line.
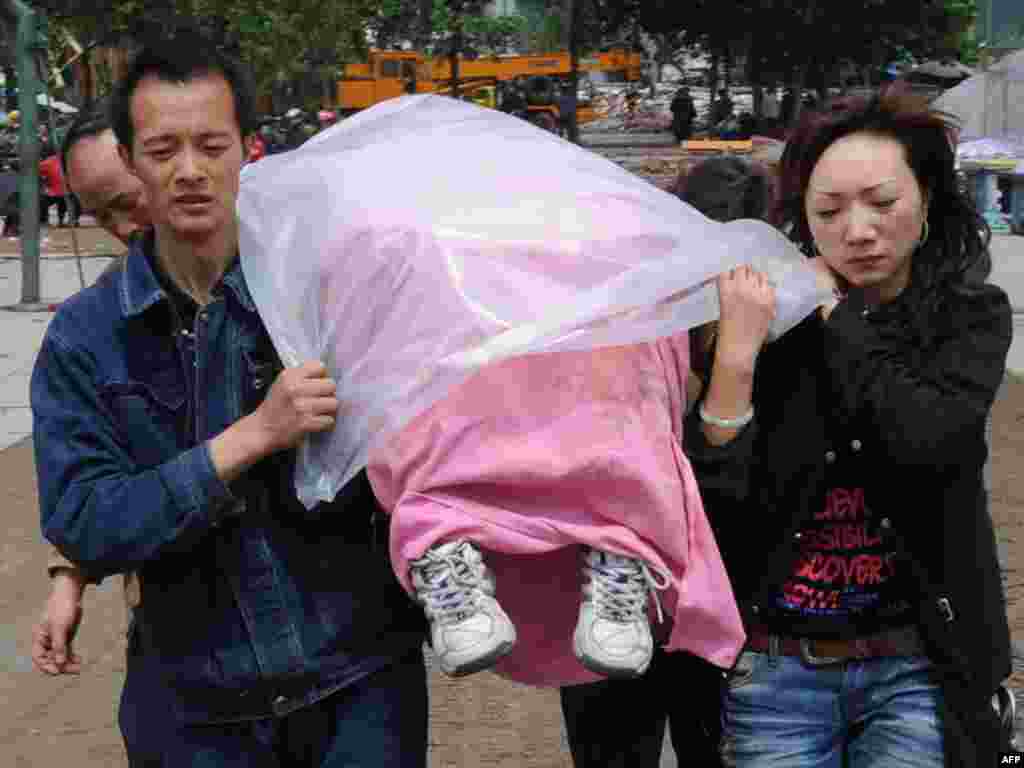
(452,584)
(620,588)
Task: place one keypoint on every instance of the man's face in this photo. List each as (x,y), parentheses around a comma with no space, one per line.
(188,154)
(105,188)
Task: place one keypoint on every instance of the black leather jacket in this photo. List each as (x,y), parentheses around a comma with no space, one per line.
(907,413)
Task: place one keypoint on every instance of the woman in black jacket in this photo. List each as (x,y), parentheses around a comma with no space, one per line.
(843,474)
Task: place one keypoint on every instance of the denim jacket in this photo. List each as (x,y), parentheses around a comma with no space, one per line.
(254,605)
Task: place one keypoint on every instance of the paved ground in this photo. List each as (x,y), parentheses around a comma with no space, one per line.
(481,721)
(22,332)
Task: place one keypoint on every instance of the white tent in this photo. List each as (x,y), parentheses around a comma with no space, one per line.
(990,104)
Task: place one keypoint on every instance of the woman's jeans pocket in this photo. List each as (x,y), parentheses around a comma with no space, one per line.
(745,669)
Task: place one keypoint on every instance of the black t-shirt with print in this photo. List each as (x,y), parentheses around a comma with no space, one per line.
(846,579)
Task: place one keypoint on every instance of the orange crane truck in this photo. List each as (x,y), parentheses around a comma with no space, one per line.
(387,74)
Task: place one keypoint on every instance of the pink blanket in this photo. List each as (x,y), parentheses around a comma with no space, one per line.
(535,456)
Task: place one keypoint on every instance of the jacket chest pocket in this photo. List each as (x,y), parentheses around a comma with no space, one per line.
(151,419)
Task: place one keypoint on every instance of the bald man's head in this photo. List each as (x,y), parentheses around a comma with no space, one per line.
(96,174)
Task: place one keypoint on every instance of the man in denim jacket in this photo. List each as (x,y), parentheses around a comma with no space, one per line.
(163,432)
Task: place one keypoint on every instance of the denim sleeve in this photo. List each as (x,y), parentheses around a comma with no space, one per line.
(101,510)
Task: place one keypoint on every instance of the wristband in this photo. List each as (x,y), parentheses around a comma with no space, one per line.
(737,423)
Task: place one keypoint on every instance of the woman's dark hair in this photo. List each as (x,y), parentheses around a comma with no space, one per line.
(724,189)
(181,56)
(956,254)
(727,188)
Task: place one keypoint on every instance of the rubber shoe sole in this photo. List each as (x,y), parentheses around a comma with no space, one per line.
(614,673)
(481,664)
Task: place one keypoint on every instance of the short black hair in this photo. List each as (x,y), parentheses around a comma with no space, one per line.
(723,188)
(89,122)
(727,188)
(181,56)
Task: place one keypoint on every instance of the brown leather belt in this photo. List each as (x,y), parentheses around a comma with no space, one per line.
(819,652)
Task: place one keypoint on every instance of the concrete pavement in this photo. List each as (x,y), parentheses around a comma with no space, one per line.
(21,333)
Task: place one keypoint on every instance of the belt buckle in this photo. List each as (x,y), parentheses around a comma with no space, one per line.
(808,657)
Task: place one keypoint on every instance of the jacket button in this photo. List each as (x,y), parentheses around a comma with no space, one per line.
(830,457)
(886,523)
(280,700)
(755,609)
(856,445)
(798,536)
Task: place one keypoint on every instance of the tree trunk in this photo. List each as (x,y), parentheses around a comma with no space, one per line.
(567,11)
(456,46)
(800,74)
(662,55)
(424,27)
(799,78)
(328,92)
(575,25)
(727,61)
(712,83)
(453,58)
(754,73)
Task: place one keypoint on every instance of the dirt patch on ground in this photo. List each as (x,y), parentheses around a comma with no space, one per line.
(1007,504)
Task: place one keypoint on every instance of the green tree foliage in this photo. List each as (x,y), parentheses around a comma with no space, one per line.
(396,22)
(786,35)
(495,33)
(276,38)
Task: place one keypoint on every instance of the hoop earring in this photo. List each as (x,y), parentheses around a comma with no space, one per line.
(924,234)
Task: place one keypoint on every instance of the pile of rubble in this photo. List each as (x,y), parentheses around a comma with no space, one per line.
(651,112)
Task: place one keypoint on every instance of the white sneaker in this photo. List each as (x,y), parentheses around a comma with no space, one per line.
(613,634)
(468,629)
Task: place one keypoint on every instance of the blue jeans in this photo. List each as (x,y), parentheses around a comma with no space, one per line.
(878,713)
(379,722)
(144,715)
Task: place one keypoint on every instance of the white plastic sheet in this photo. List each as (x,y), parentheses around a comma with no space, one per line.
(425,237)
